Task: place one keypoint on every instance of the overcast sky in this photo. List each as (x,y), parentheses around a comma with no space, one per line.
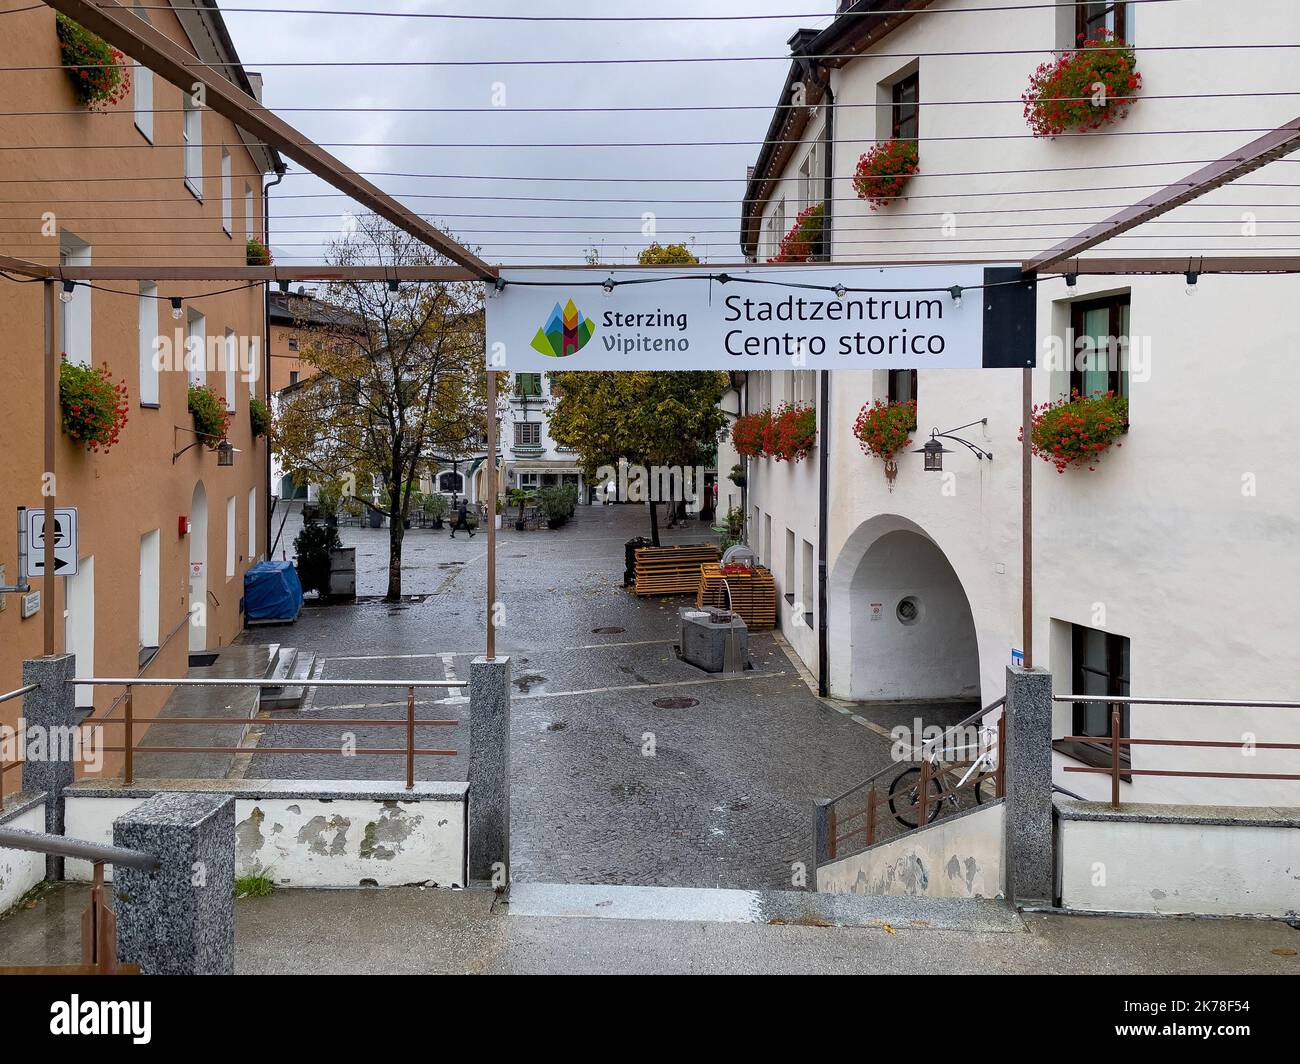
(265,38)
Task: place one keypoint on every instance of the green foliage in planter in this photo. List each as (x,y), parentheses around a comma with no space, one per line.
(259,414)
(99,72)
(257,253)
(94,408)
(558,503)
(313,545)
(210,414)
(436,506)
(1076,431)
(884,429)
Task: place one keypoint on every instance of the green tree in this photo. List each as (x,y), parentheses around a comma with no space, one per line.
(400,377)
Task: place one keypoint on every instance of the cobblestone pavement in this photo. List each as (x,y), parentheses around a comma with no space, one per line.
(607,787)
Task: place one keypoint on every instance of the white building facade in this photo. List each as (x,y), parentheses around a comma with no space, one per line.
(531,458)
(1170,569)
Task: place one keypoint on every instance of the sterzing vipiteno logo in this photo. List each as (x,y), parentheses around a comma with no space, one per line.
(566,332)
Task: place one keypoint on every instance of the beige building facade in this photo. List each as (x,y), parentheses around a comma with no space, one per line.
(165,533)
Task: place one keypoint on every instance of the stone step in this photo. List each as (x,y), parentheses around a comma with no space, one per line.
(295,671)
(809,908)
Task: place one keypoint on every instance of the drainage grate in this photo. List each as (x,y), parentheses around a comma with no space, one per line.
(608,631)
(676,703)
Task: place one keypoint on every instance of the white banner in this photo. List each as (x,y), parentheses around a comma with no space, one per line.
(898,317)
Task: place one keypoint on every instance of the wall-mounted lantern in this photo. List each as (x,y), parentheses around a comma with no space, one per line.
(934,450)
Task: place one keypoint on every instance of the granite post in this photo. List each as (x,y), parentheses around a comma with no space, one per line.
(179,919)
(823,828)
(1030,867)
(50,719)
(489,770)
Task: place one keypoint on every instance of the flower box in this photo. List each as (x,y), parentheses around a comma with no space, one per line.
(211,418)
(747,433)
(790,433)
(99,73)
(884,170)
(804,240)
(94,408)
(1077,431)
(1083,90)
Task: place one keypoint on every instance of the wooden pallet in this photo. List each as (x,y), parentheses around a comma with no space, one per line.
(671,570)
(753,595)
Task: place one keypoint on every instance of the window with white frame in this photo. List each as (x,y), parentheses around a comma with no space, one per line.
(74,314)
(250,212)
(196,346)
(150,586)
(192,136)
(252,523)
(230,537)
(147,330)
(230,351)
(142,89)
(227,203)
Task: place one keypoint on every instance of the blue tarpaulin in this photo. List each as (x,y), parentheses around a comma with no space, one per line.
(272,592)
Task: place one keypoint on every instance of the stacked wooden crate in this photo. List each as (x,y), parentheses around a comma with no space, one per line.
(671,570)
(753,594)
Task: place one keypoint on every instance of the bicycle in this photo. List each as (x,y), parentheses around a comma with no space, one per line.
(905,790)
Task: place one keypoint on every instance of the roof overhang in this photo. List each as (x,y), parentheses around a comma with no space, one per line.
(854,30)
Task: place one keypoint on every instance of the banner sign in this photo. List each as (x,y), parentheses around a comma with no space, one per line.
(761,318)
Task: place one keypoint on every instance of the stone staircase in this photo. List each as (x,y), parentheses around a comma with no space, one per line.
(240,704)
(294,667)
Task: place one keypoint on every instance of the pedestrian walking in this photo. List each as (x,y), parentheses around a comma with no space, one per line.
(461,519)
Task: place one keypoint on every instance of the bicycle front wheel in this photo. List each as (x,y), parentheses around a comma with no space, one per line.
(905,798)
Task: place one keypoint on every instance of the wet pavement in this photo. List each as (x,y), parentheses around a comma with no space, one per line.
(610,782)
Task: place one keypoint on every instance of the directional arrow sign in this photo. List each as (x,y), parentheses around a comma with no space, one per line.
(65,542)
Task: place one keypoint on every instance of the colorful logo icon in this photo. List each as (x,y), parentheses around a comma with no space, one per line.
(567,332)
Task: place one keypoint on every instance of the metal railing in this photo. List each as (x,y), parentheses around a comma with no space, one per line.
(1117,741)
(864,806)
(129,721)
(17,693)
(98,924)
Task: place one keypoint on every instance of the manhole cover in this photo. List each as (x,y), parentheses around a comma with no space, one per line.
(608,631)
(676,703)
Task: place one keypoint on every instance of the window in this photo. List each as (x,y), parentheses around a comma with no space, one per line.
(293,376)
(902,385)
(1100,329)
(451,481)
(528,481)
(810,178)
(778,225)
(231,354)
(150,560)
(293,343)
(906,113)
(252,523)
(230,537)
(147,328)
(528,384)
(1099,665)
(767,540)
(227,203)
(192,136)
(789,567)
(142,89)
(250,212)
(74,316)
(528,433)
(1091,18)
(196,346)
(807,583)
